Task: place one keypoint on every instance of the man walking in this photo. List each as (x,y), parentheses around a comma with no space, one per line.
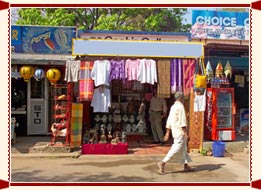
(177,124)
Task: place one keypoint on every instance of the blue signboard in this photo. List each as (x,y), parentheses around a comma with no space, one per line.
(47,40)
(15,35)
(220,25)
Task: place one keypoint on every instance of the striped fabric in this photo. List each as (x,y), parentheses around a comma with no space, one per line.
(163,69)
(176,75)
(188,75)
(76,125)
(86,84)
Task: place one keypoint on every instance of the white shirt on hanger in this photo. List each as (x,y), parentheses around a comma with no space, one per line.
(101,99)
(72,70)
(147,71)
(200,102)
(100,72)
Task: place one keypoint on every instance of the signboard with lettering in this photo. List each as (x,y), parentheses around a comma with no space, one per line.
(220,25)
(135,35)
(47,40)
(37,117)
(16,35)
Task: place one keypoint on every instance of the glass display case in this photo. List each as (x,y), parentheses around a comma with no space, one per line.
(219,115)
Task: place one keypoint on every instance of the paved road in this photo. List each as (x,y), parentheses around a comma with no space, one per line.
(128,168)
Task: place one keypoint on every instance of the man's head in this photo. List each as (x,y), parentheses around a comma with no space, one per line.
(179,96)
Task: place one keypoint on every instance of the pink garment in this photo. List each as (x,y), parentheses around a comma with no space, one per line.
(132,68)
(188,75)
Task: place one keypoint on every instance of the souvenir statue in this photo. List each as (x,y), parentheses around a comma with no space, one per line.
(109,136)
(132,119)
(93,135)
(123,137)
(97,118)
(116,137)
(219,70)
(103,139)
(209,71)
(228,70)
(128,128)
(133,128)
(125,118)
(110,118)
(104,118)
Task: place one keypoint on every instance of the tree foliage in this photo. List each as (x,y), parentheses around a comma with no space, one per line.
(138,19)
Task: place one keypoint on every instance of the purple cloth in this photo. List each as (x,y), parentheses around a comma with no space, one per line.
(117,69)
(176,75)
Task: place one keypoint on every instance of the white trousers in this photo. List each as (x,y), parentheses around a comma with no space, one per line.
(178,151)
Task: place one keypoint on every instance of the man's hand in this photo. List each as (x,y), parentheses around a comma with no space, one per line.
(166,137)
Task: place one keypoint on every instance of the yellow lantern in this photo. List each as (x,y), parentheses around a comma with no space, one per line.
(26,72)
(53,75)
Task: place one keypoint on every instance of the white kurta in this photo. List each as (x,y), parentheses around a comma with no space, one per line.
(100,72)
(101,100)
(177,119)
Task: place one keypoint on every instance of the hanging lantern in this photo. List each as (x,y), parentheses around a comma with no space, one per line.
(228,70)
(39,74)
(219,69)
(26,72)
(53,75)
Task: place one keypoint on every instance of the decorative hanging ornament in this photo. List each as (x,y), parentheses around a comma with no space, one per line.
(39,74)
(26,72)
(209,70)
(219,69)
(53,75)
(228,70)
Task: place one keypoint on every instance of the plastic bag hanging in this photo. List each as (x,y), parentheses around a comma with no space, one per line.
(219,69)
(228,70)
(209,71)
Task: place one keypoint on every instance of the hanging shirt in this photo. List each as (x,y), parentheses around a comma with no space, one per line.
(200,102)
(100,72)
(117,69)
(72,70)
(132,69)
(101,99)
(147,71)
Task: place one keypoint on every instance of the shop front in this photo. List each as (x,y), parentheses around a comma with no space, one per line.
(114,98)
(226,39)
(35,50)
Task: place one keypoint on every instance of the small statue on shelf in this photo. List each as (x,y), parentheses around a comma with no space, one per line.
(123,136)
(93,134)
(103,139)
(116,139)
(109,136)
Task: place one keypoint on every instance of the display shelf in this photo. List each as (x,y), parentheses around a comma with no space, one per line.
(61,112)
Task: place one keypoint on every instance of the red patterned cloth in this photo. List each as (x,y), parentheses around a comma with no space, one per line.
(86,85)
(188,75)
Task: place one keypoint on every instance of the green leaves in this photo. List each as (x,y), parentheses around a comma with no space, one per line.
(137,19)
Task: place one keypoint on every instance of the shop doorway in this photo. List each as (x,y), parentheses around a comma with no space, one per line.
(19,105)
(37,107)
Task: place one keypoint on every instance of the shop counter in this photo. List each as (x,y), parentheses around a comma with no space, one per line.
(120,148)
